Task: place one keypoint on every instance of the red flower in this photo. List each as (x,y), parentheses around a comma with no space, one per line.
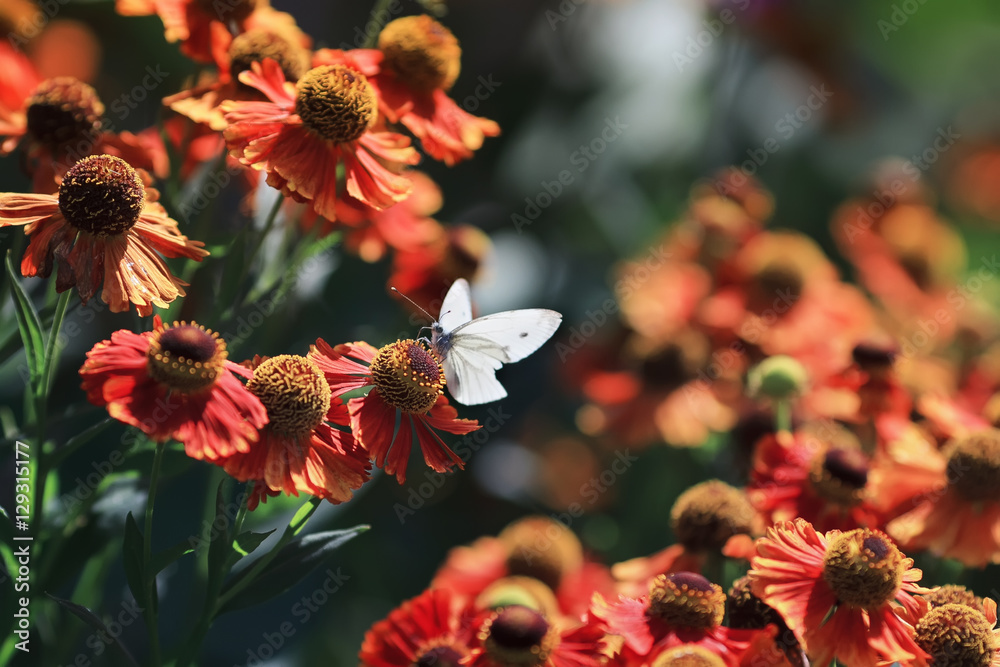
(681,609)
(818,473)
(406,379)
(417,62)
(298,451)
(536,547)
(103,226)
(175,382)
(433,628)
(838,592)
(303,133)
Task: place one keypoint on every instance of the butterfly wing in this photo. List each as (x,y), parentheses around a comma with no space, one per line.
(480,347)
(470,371)
(456,309)
(517,333)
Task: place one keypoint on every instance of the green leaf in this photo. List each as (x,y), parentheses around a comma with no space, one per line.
(165,558)
(291,565)
(29,325)
(247,541)
(91,619)
(301,516)
(132,560)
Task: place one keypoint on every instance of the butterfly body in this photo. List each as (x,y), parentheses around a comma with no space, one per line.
(472,350)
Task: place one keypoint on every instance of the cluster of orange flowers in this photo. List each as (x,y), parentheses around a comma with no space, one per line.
(319,126)
(316,125)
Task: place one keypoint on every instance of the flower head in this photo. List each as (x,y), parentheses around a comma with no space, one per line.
(857,579)
(102,226)
(524,637)
(301,135)
(434,628)
(298,450)
(406,379)
(958,513)
(175,382)
(681,609)
(417,62)
(955,635)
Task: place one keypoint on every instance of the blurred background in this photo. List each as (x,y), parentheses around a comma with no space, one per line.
(611,110)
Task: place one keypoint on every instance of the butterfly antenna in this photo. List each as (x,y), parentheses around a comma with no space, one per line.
(417,306)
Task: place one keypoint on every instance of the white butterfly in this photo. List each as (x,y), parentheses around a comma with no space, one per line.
(473,350)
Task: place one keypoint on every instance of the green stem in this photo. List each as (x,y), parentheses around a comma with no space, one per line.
(783,415)
(248,265)
(147,556)
(381,8)
(51,360)
(290,531)
(214,601)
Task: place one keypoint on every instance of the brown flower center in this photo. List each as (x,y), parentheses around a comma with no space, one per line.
(336,102)
(64,110)
(863,567)
(518,637)
(255,45)
(747,611)
(185,357)
(541,548)
(228,10)
(422,52)
(408,376)
(956,636)
(840,476)
(688,655)
(294,392)
(705,516)
(974,466)
(102,195)
(686,600)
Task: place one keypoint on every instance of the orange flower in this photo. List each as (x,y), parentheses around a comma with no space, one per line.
(407,380)
(838,592)
(103,226)
(203,27)
(175,382)
(302,134)
(417,62)
(58,122)
(370,232)
(957,513)
(298,451)
(203,103)
(958,634)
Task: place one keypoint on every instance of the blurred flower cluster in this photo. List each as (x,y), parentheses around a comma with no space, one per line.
(862,419)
